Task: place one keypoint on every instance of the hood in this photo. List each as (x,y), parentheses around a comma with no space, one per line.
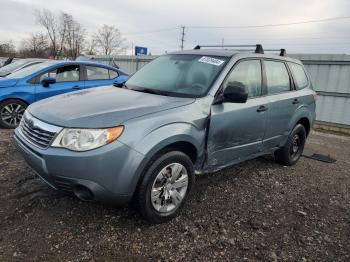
(101,107)
(4,82)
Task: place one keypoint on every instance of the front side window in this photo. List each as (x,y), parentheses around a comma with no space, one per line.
(183,75)
(277,77)
(97,73)
(248,74)
(68,73)
(299,75)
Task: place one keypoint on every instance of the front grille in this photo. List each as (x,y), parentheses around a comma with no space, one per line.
(37,132)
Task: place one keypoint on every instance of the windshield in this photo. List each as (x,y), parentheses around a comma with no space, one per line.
(178,75)
(28,70)
(12,67)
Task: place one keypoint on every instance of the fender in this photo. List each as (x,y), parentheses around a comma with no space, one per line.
(302,111)
(161,138)
(24,93)
(171,133)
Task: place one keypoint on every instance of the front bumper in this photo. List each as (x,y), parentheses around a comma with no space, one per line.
(111,172)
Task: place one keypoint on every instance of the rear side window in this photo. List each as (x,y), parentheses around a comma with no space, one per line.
(299,75)
(248,74)
(97,73)
(277,77)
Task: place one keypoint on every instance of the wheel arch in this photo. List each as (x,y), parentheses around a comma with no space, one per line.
(306,123)
(19,99)
(183,145)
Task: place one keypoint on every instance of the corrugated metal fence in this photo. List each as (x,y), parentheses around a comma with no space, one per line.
(330,75)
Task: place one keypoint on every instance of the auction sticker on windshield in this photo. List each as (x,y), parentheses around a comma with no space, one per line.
(210,60)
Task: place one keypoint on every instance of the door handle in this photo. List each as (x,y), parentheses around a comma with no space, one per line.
(76,87)
(262,109)
(295,101)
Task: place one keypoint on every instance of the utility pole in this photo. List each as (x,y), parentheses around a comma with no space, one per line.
(182,37)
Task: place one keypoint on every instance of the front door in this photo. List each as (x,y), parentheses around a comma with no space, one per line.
(68,79)
(237,129)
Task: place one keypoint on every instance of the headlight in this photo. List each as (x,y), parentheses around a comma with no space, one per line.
(86,139)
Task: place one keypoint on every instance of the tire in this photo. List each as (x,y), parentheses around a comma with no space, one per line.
(162,180)
(290,153)
(11,112)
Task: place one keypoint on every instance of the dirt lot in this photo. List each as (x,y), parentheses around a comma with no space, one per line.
(257,210)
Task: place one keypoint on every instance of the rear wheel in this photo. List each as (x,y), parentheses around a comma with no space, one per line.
(11,113)
(165,187)
(290,153)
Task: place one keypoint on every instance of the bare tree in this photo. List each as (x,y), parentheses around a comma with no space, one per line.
(90,48)
(65,34)
(48,20)
(36,45)
(7,49)
(75,38)
(109,39)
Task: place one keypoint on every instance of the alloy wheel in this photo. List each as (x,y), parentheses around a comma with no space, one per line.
(11,114)
(169,188)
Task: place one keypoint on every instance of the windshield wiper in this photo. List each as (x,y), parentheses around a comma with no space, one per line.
(150,91)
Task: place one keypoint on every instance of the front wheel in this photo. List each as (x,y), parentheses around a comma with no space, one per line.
(290,153)
(165,187)
(11,112)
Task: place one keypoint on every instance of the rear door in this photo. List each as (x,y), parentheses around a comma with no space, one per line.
(99,76)
(236,129)
(282,102)
(68,79)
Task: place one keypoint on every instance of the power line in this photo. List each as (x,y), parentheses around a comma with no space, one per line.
(153,31)
(274,25)
(238,27)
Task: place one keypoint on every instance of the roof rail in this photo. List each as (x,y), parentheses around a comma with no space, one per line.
(258,47)
(282,51)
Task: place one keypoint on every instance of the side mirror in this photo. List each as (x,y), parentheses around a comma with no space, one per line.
(48,81)
(235,93)
(119,83)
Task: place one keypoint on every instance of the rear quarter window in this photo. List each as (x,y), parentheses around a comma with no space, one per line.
(113,74)
(97,73)
(299,75)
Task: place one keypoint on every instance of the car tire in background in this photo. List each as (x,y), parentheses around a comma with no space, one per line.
(165,186)
(290,153)
(11,112)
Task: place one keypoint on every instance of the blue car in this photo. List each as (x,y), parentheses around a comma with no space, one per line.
(47,79)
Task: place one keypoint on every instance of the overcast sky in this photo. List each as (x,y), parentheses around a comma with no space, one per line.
(137,19)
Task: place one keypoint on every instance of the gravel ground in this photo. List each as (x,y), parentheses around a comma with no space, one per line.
(256,210)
